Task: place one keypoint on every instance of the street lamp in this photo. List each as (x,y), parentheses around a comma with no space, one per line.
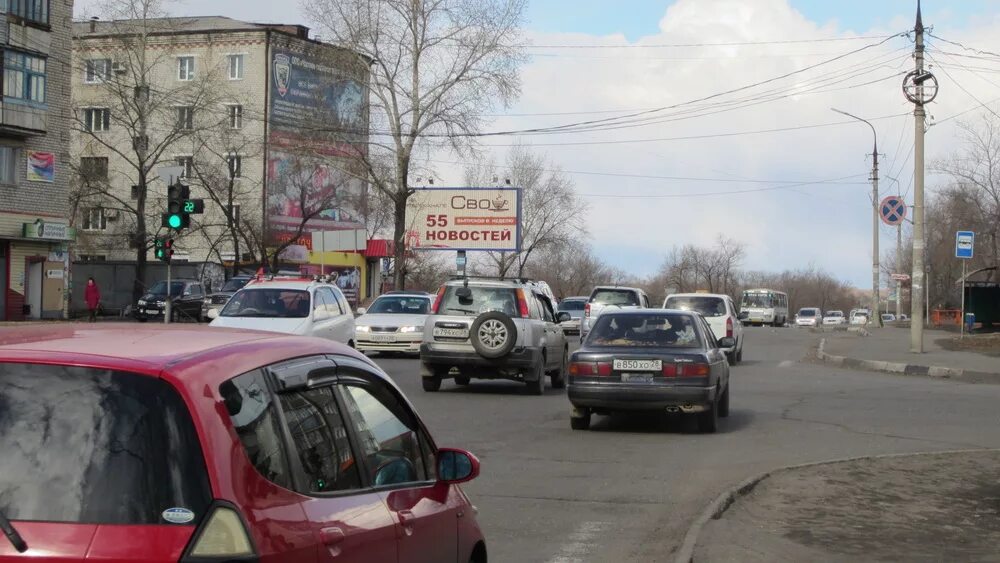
(875,267)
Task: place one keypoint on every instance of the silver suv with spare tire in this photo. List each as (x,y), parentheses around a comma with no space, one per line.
(482,328)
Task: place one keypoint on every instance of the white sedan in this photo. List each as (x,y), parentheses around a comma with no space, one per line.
(833,318)
(393,323)
(292,306)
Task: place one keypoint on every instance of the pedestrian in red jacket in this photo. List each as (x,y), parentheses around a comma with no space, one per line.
(92,295)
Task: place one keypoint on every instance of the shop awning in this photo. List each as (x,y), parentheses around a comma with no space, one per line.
(380,248)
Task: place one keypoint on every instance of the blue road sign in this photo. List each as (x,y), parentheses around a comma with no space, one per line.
(965,242)
(893,210)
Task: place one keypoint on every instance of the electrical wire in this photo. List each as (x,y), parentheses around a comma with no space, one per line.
(720,44)
(962,88)
(710,194)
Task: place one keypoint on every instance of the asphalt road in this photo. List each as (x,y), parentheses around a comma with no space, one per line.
(628,489)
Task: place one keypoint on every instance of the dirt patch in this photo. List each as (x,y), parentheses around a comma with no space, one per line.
(926,508)
(987,344)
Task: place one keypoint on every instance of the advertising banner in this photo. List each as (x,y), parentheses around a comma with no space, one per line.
(316,124)
(41,167)
(465,219)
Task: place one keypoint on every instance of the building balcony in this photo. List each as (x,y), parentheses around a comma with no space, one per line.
(22,120)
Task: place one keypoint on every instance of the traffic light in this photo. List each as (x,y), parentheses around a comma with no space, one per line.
(164,249)
(180,207)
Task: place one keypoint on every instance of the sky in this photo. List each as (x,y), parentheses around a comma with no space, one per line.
(646,197)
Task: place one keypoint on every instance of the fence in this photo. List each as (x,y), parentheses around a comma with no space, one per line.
(115,279)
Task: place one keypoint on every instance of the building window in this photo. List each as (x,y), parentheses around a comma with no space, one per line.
(94,168)
(36,11)
(235,213)
(236,67)
(94,219)
(96,119)
(185,118)
(235,116)
(8,165)
(188,163)
(97,70)
(185,68)
(24,77)
(235,163)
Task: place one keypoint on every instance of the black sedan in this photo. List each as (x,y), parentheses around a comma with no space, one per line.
(650,360)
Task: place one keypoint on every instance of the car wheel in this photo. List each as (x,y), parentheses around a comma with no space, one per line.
(462,380)
(493,335)
(559,377)
(537,387)
(724,404)
(739,354)
(731,358)
(141,319)
(708,421)
(431,376)
(580,422)
(175,315)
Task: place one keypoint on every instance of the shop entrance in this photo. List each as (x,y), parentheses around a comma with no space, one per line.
(33,289)
(3,280)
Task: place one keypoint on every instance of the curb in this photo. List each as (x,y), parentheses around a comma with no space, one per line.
(900,368)
(718,507)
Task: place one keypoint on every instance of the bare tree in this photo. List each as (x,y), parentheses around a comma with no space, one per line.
(551,211)
(141,120)
(571,268)
(437,66)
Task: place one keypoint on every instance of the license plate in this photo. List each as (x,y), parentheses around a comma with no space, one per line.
(451,332)
(638,365)
(383,338)
(637,378)
(152,312)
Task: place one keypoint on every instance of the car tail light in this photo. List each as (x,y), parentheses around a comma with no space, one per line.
(437,300)
(221,535)
(669,370)
(522,304)
(601,369)
(729,327)
(586,310)
(695,370)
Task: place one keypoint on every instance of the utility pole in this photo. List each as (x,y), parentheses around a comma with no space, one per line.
(876,316)
(899,264)
(920,87)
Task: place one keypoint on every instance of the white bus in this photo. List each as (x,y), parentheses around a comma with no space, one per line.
(764,306)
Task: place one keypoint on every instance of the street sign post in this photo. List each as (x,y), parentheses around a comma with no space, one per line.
(893,210)
(965,245)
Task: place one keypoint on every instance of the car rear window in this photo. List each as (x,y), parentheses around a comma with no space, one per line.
(269,302)
(655,330)
(483,299)
(621,297)
(400,306)
(574,305)
(807,313)
(94,446)
(707,306)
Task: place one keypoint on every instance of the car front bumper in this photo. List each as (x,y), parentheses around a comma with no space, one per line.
(409,343)
(640,398)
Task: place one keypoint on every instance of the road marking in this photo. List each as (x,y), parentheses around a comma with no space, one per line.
(582,542)
(786,364)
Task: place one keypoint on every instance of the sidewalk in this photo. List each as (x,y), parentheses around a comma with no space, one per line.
(935,507)
(888,349)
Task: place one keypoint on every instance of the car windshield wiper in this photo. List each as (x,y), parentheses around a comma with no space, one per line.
(462,310)
(15,538)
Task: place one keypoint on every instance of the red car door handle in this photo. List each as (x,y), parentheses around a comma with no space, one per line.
(331,536)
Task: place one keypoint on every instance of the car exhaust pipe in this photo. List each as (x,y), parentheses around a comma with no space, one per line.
(688,409)
(673,409)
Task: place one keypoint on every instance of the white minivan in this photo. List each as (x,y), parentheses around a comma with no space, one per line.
(720,312)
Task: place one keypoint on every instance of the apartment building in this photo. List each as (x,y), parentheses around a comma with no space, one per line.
(253,117)
(34,158)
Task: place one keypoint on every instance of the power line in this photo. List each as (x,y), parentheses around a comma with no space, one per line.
(720,44)
(958,44)
(710,194)
(962,88)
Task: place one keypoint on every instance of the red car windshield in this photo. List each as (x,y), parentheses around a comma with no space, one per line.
(98,447)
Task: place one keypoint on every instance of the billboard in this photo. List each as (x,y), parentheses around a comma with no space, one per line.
(312,104)
(465,219)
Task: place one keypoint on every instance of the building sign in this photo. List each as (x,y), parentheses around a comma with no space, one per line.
(44,230)
(316,126)
(465,219)
(41,166)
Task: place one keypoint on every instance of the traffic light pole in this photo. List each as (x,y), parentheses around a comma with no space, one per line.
(168,306)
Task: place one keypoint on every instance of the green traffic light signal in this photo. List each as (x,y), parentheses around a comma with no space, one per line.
(174,221)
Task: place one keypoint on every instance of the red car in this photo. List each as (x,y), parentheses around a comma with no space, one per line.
(176,444)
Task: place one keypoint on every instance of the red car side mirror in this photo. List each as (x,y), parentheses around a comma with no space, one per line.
(456,466)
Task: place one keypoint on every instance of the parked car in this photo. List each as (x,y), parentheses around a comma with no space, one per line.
(185,444)
(393,323)
(859,317)
(573,306)
(186,297)
(809,316)
(721,314)
(493,329)
(888,318)
(217,300)
(650,360)
(612,298)
(299,306)
(834,318)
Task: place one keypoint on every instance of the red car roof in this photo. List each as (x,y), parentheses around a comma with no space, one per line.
(152,349)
